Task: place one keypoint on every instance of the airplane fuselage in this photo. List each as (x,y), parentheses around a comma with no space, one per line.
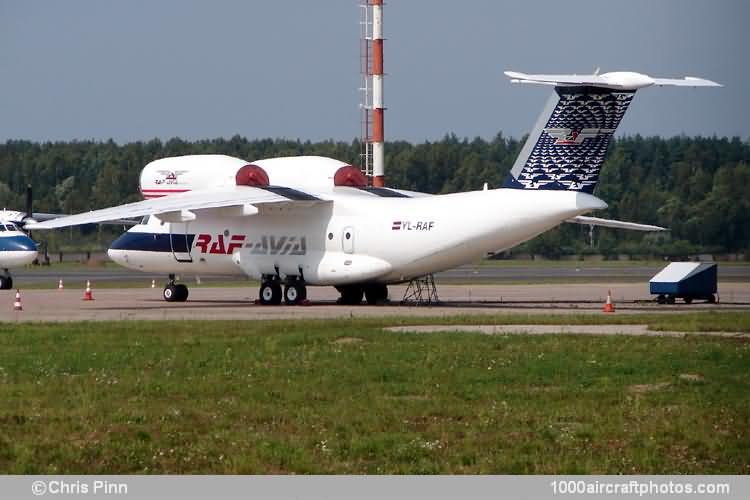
(357,239)
(16,248)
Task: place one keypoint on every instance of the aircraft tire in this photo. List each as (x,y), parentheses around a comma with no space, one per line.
(182,293)
(6,282)
(351,295)
(270,293)
(170,293)
(376,294)
(294,293)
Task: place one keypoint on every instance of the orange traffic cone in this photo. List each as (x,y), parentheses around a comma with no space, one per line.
(17,304)
(60,285)
(87,295)
(609,307)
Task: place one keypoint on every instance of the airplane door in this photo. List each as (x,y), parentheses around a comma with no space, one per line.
(179,243)
(347,239)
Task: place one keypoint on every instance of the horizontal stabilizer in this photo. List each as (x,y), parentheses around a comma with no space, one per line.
(688,81)
(619,80)
(618,224)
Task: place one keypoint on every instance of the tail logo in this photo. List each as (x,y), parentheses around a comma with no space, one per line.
(568,150)
(570,137)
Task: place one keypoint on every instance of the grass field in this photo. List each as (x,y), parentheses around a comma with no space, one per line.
(346,397)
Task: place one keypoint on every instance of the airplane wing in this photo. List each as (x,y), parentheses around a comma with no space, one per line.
(43,217)
(614,80)
(596,221)
(23,221)
(381,192)
(179,207)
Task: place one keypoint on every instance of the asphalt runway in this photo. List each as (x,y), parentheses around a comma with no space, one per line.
(575,271)
(235,303)
(557,272)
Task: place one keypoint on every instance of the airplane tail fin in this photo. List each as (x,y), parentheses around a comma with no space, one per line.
(568,144)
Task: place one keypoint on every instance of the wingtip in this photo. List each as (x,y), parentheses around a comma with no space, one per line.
(704,81)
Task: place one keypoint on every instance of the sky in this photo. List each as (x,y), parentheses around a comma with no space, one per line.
(135,70)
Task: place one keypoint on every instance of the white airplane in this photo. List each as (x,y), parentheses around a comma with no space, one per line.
(17,249)
(302,221)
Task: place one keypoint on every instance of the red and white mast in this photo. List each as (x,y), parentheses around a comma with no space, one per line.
(373,153)
(378,149)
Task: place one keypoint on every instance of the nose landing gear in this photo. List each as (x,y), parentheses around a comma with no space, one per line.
(6,282)
(175,292)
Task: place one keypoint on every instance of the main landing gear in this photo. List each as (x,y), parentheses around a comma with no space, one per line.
(175,292)
(294,291)
(374,293)
(6,282)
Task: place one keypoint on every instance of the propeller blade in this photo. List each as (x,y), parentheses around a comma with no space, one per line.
(29,210)
(29,200)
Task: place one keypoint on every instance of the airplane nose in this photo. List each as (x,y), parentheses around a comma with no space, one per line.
(118,256)
(17,244)
(29,245)
(17,250)
(114,254)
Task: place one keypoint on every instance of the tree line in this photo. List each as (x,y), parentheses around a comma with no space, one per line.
(695,186)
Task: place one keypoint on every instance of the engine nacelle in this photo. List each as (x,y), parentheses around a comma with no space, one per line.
(187,173)
(313,173)
(179,174)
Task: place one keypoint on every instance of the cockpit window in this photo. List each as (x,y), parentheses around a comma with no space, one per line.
(10,227)
(2,228)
